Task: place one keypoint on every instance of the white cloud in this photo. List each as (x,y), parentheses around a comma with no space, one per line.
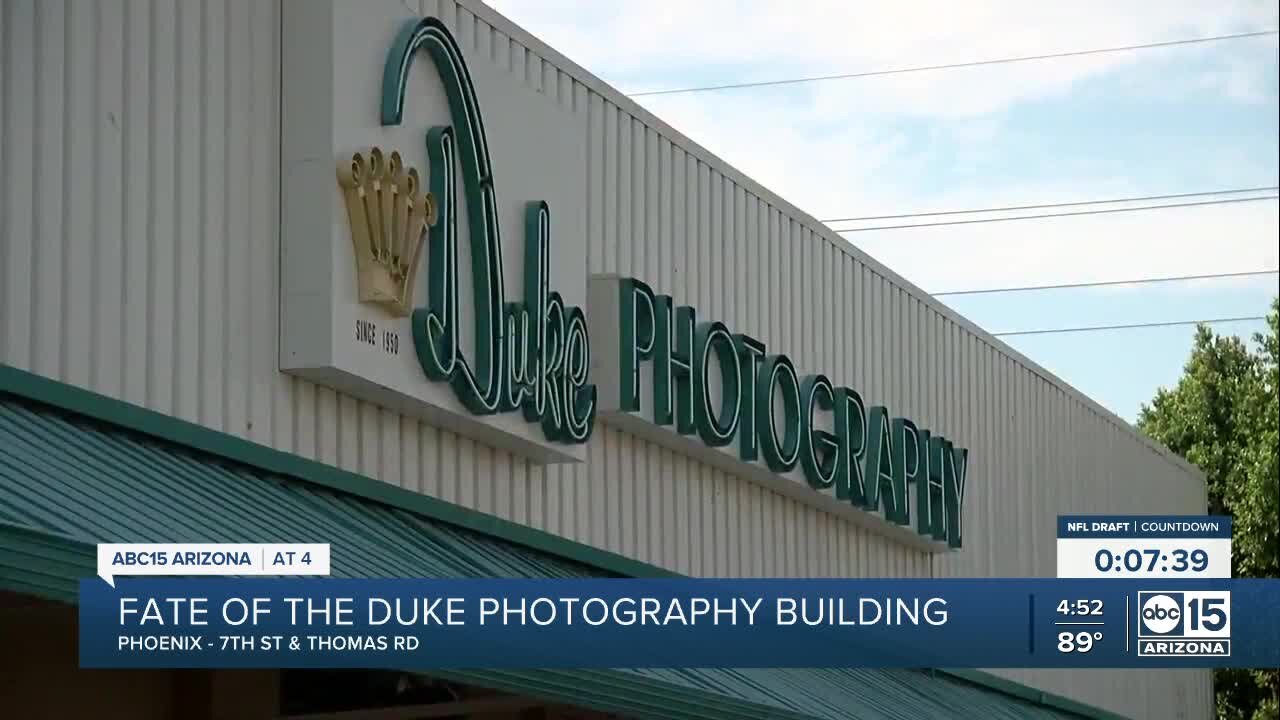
(840,148)
(1202,240)
(623,40)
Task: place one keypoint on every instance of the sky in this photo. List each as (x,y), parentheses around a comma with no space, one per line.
(1148,122)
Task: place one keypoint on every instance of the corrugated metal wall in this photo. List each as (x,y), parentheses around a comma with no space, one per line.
(139,248)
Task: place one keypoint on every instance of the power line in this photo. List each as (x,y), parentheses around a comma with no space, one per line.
(1006,208)
(1040,216)
(949,66)
(1139,281)
(1096,328)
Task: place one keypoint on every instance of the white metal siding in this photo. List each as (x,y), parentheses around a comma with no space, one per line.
(139,207)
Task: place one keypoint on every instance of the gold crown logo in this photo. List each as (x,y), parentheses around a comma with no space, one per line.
(389,216)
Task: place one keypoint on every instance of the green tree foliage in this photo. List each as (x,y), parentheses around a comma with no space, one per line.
(1224,416)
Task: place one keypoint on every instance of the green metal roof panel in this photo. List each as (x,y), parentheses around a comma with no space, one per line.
(76,479)
(67,482)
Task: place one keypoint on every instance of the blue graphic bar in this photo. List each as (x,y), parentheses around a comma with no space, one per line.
(491,623)
(1144,526)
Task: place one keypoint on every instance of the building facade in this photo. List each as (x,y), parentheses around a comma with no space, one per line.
(569,315)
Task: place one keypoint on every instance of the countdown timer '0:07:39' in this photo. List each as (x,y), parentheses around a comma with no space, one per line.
(1152,559)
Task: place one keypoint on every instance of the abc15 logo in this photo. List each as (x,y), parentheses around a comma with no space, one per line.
(1184,614)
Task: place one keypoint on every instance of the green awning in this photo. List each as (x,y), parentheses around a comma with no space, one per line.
(72,475)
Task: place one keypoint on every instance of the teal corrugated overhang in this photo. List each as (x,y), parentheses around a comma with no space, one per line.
(68,481)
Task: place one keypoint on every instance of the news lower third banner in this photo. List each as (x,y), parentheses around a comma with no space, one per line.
(410,624)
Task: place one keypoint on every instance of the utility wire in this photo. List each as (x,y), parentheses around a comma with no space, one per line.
(1006,208)
(1096,328)
(1040,216)
(949,66)
(1139,281)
